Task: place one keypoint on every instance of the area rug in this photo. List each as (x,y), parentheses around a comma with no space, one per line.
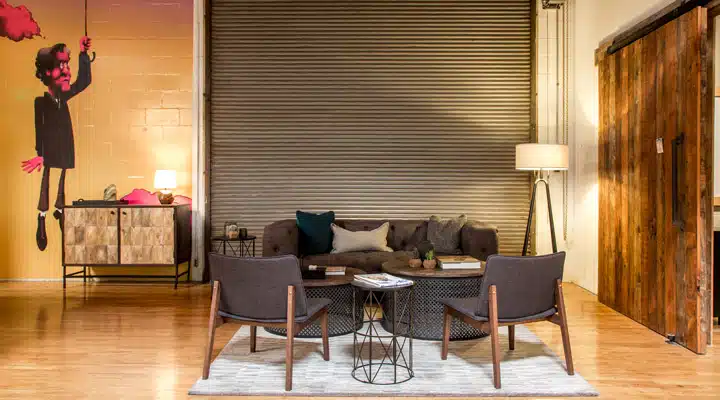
(532,369)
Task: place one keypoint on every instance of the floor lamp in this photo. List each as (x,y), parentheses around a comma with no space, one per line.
(541,159)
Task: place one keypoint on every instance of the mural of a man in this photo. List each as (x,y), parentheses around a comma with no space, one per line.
(54,140)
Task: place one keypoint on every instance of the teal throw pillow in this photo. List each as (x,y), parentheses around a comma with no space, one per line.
(315,234)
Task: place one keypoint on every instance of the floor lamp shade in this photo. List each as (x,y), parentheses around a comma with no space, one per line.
(539,156)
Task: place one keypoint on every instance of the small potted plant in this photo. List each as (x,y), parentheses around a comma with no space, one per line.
(415,261)
(430,262)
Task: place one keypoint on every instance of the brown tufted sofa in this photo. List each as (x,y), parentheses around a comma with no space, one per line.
(477,239)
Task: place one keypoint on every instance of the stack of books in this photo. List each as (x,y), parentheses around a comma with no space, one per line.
(335,271)
(320,272)
(382,280)
(458,262)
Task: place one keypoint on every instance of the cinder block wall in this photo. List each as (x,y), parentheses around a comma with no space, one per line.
(134,119)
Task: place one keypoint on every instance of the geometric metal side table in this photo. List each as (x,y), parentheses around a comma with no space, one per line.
(396,361)
(240,247)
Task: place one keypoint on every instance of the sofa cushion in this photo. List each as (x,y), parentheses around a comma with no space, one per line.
(314,232)
(345,241)
(445,234)
(406,235)
(369,261)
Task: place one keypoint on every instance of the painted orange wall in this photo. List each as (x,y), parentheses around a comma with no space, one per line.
(133,119)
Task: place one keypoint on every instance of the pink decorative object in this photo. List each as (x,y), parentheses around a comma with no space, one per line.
(142,196)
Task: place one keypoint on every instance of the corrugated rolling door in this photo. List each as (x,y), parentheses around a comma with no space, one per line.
(373,109)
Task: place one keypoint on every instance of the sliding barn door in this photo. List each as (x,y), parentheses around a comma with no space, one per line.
(655,181)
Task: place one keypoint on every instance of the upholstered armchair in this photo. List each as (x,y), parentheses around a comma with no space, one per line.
(263,292)
(515,290)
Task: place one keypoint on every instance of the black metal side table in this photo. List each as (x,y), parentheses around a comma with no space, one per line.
(392,345)
(240,247)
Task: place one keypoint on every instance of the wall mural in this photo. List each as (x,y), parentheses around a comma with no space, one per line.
(54,140)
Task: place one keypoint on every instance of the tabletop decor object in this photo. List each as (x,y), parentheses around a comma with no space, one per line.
(430,262)
(110,193)
(232,230)
(165,181)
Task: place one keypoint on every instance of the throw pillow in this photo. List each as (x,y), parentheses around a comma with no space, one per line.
(345,241)
(445,234)
(315,236)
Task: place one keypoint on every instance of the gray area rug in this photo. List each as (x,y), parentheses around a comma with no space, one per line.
(532,369)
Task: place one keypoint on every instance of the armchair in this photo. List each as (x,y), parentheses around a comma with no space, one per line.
(515,290)
(263,292)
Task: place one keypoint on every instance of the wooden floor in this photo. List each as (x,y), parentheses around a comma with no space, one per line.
(143,341)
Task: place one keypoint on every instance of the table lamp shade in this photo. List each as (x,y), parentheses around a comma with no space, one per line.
(539,156)
(165,179)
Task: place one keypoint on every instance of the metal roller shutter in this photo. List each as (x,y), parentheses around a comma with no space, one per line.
(373,109)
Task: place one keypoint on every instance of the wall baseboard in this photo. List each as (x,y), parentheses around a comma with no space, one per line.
(32,280)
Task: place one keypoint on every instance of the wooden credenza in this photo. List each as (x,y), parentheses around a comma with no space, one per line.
(126,236)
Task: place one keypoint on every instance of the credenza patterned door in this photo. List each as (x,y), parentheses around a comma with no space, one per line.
(147,235)
(91,236)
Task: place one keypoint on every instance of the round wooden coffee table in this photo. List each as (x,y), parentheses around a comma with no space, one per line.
(431,285)
(337,288)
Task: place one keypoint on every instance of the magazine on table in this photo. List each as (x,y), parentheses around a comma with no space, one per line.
(383,280)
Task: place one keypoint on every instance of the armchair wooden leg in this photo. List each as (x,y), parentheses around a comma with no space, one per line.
(447,322)
(494,340)
(253,338)
(211,328)
(560,300)
(511,336)
(324,328)
(290,338)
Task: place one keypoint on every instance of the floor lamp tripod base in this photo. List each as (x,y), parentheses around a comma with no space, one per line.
(530,215)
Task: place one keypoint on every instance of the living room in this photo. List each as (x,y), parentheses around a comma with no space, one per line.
(201,168)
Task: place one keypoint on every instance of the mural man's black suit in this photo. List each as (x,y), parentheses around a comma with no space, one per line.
(54,140)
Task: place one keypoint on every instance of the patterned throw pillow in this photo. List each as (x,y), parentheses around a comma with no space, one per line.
(445,234)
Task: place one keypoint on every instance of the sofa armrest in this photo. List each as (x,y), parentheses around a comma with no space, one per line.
(281,238)
(479,240)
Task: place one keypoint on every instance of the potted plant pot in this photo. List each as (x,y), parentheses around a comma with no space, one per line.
(430,264)
(415,263)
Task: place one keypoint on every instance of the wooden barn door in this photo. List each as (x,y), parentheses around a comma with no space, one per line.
(655,177)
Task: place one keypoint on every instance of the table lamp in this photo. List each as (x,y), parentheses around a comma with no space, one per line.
(165,181)
(542,158)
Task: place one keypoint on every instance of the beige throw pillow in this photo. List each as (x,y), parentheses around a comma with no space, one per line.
(345,241)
